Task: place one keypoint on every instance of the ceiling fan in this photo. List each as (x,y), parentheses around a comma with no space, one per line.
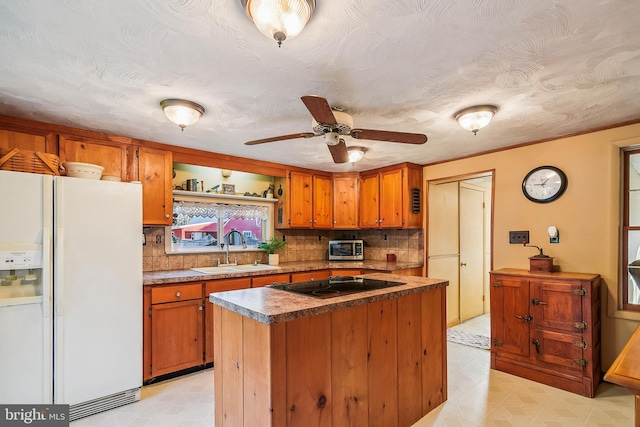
(333,124)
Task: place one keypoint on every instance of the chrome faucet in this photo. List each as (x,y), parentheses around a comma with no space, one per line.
(225,239)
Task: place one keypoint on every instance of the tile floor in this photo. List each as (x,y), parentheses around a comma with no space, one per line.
(478,396)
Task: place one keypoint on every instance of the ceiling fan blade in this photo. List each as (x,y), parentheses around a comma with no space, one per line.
(281,138)
(319,109)
(339,152)
(390,136)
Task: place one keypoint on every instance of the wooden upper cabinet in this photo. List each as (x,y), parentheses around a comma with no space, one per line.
(154,171)
(391,198)
(300,199)
(322,202)
(309,201)
(112,156)
(30,140)
(369,201)
(345,201)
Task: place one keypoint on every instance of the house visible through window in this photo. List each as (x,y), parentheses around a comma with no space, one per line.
(200,226)
(631,231)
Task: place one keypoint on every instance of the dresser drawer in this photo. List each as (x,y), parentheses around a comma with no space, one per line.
(176,293)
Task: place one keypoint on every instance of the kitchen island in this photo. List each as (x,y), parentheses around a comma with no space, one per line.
(376,358)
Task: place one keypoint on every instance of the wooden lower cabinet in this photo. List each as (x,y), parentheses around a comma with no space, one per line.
(270,279)
(176,321)
(309,275)
(546,327)
(378,364)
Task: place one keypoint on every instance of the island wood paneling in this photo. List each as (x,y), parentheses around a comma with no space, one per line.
(308,373)
(409,360)
(380,364)
(383,363)
(434,340)
(349,350)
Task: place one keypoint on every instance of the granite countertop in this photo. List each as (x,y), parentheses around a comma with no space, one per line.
(269,306)
(178,276)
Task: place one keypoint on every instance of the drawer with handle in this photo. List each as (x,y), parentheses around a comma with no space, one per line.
(176,293)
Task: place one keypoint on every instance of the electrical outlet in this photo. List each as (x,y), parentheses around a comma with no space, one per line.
(519,237)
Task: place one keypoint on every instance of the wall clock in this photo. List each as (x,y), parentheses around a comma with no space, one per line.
(544,184)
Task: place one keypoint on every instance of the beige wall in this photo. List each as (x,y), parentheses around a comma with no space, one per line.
(587,215)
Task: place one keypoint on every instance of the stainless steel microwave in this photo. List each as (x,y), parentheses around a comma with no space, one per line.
(346,250)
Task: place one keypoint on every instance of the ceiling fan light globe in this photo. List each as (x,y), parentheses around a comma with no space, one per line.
(356,154)
(279,19)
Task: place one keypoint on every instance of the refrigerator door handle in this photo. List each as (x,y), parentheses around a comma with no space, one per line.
(47,324)
(59,272)
(47,276)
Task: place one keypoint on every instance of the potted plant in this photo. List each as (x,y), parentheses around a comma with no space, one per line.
(270,246)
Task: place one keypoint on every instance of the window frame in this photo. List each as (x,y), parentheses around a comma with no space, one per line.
(626,229)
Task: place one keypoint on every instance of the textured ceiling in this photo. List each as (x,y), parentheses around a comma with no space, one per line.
(552,67)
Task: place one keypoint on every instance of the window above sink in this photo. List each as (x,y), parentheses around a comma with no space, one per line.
(200,221)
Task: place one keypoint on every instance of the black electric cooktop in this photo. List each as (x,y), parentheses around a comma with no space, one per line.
(336,286)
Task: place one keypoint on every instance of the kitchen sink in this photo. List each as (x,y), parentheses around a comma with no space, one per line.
(226,269)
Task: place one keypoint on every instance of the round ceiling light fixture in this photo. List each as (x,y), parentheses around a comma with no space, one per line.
(279,19)
(181,112)
(475,118)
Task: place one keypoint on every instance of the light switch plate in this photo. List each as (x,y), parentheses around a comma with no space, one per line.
(518,237)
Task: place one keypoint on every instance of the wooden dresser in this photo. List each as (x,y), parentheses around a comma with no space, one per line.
(546,327)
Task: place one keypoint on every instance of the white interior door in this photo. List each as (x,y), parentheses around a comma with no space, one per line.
(471,252)
(443,242)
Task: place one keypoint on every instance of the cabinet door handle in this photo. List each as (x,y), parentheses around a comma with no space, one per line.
(536,342)
(536,301)
(166,216)
(463,264)
(178,294)
(526,317)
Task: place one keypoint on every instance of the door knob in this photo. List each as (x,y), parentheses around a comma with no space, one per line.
(463,264)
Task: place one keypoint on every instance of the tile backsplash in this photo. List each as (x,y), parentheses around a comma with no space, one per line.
(302,245)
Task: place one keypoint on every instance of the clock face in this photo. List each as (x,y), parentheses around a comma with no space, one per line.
(544,184)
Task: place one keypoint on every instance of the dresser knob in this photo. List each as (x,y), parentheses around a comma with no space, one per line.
(178,294)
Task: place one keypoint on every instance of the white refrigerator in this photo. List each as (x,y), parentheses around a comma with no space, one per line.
(70,292)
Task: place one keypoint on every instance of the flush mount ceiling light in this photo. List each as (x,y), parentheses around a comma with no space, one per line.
(181,112)
(356,153)
(475,118)
(279,19)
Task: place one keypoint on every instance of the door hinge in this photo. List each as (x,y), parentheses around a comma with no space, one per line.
(580,325)
(137,153)
(580,292)
(150,370)
(581,344)
(149,312)
(496,342)
(497,284)
(580,362)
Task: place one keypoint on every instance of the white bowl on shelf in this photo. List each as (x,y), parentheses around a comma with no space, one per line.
(111,178)
(83,170)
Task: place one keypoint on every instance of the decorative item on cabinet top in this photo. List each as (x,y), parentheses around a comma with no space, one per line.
(18,160)
(540,262)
